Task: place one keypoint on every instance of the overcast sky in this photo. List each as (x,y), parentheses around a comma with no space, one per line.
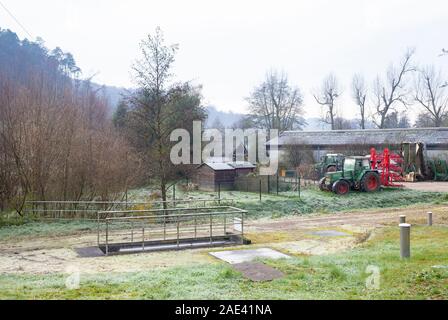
(227,46)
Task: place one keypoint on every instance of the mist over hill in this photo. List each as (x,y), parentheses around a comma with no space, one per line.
(227,119)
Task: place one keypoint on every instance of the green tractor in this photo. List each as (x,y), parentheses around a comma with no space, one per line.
(331,162)
(356,174)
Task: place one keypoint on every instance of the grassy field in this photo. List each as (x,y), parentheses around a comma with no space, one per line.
(339,276)
(272,206)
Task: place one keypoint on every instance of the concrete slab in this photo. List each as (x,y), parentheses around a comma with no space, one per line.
(240,256)
(258,271)
(330,233)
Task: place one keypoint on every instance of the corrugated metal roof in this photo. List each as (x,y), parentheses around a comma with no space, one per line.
(219,166)
(431,136)
(241,165)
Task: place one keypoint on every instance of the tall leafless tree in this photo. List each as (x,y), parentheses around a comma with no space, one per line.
(275,104)
(359,94)
(326,96)
(432,94)
(394,90)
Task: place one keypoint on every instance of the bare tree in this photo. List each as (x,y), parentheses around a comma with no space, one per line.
(326,96)
(393,91)
(359,94)
(432,94)
(275,104)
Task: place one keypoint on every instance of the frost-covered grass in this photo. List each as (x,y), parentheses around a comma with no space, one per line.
(311,201)
(337,276)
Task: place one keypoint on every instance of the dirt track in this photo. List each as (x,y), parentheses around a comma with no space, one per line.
(427,186)
(293,235)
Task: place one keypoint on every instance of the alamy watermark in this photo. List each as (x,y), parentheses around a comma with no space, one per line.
(230,144)
(373,281)
(72,282)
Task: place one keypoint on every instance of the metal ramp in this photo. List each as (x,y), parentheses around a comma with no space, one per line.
(124,232)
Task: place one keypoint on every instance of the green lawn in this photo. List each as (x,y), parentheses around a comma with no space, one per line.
(339,276)
(311,201)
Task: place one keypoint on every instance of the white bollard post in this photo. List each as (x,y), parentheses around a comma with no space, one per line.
(405,240)
(429,218)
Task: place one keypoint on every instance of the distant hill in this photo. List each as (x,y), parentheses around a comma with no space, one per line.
(226,118)
(113,94)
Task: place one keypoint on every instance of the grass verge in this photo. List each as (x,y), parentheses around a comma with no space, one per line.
(338,276)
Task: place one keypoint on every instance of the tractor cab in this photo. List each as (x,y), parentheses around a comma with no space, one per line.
(356,174)
(331,162)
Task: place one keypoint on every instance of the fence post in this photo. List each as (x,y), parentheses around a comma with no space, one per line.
(132,231)
(405,240)
(178,232)
(277,182)
(429,218)
(126,198)
(269,184)
(211,229)
(107,237)
(164,227)
(174,195)
(98,229)
(225,224)
(143,235)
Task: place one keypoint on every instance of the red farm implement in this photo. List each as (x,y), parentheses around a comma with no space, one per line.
(389,165)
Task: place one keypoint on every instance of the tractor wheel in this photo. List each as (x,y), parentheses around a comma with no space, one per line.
(331,169)
(370,182)
(341,187)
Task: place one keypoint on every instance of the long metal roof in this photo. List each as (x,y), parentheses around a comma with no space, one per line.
(429,136)
(221,166)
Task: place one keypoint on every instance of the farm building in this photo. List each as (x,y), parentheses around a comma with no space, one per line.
(352,142)
(210,176)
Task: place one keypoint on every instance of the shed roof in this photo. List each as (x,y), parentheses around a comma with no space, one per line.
(221,166)
(218,166)
(429,136)
(242,165)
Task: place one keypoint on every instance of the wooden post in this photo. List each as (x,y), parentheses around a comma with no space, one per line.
(405,240)
(429,218)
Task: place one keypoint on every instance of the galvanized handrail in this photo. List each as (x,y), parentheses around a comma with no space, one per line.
(201,214)
(157,229)
(58,210)
(165,210)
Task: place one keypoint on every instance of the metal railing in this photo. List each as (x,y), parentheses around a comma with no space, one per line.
(144,230)
(87,210)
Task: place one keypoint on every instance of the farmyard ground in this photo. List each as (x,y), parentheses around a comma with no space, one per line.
(35,257)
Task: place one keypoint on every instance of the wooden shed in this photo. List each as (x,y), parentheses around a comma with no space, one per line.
(210,176)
